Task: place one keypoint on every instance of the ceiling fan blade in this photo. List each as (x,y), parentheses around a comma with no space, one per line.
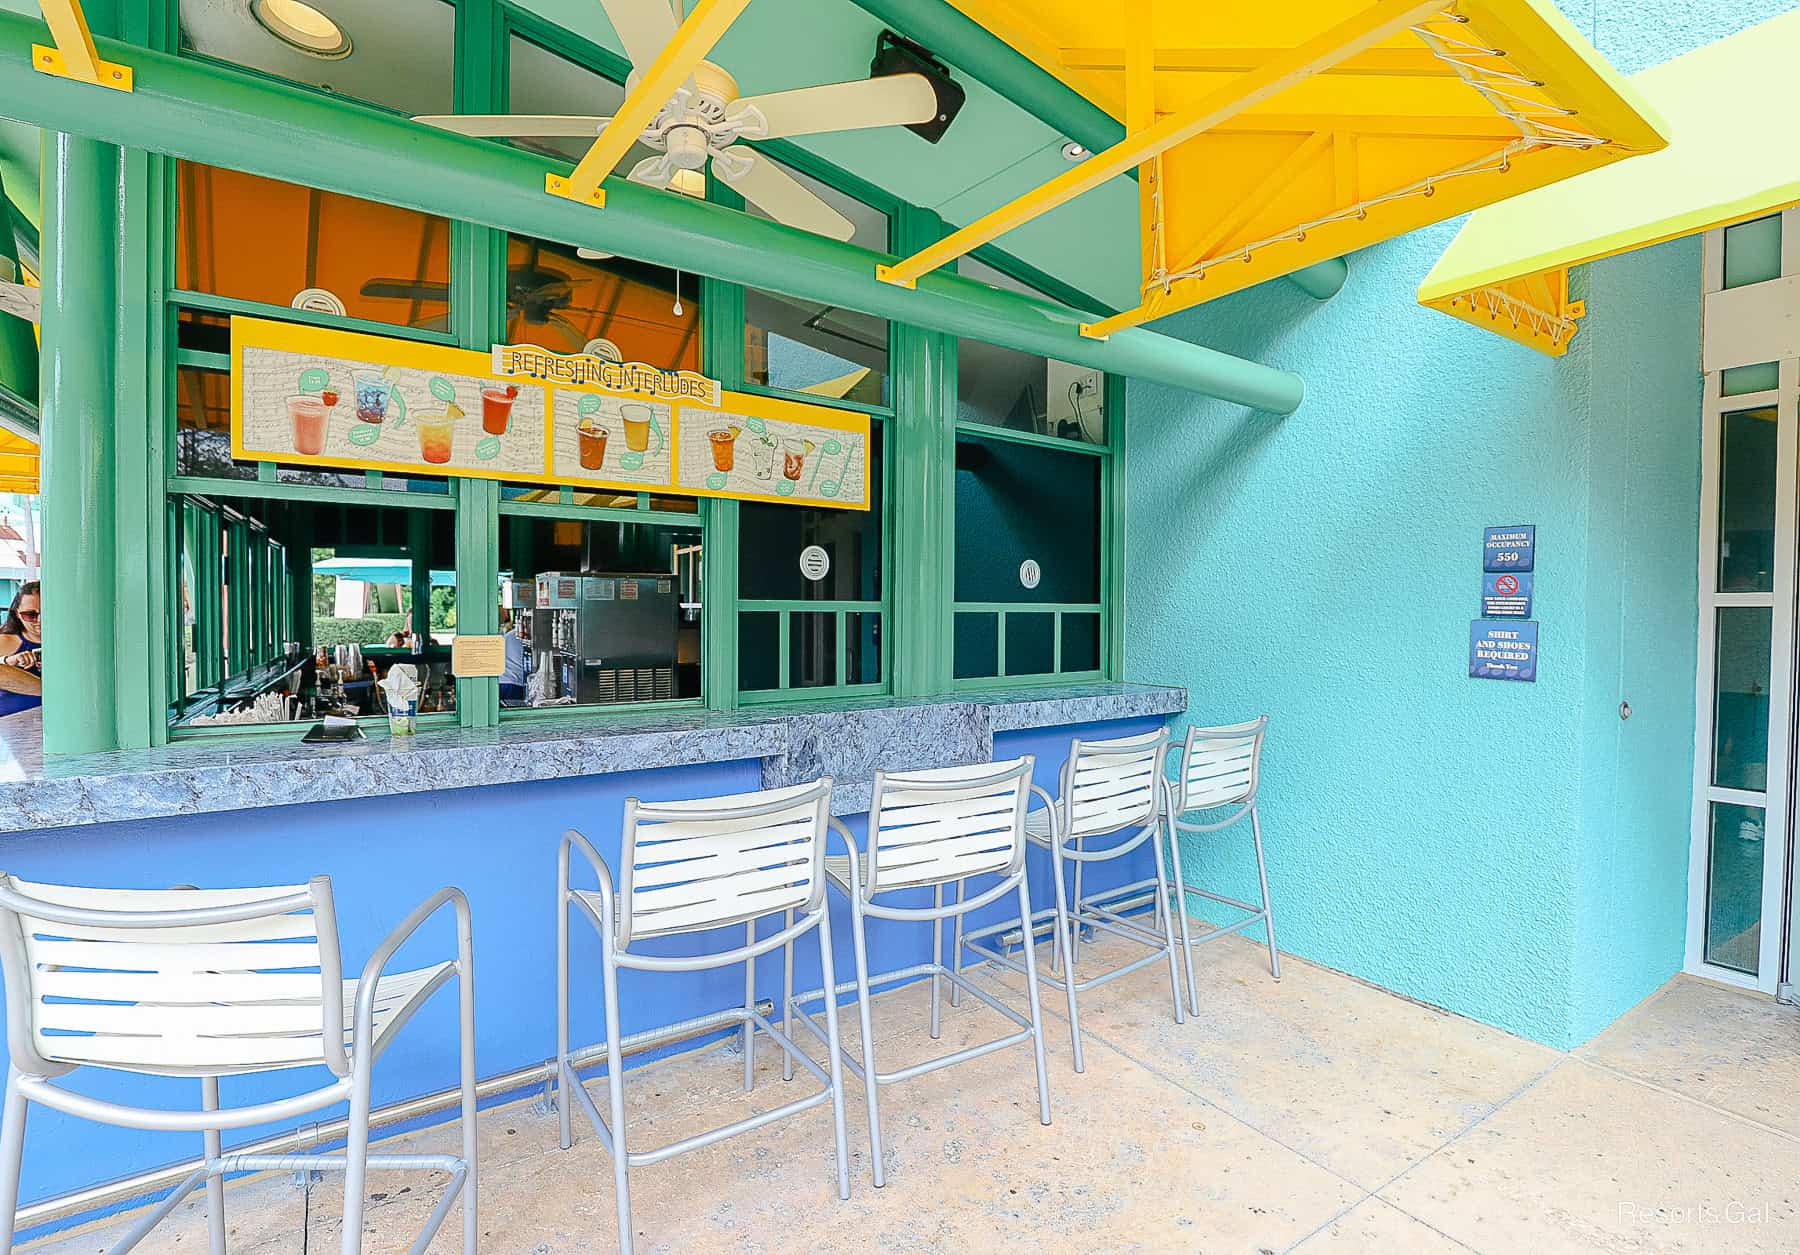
(406,290)
(655,171)
(890,100)
(643,26)
(593,254)
(22,300)
(515,125)
(780,195)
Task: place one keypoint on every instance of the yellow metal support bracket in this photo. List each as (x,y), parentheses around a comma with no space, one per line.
(703,28)
(74,55)
(1354,35)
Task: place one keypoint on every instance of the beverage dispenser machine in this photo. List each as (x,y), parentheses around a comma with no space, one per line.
(612,636)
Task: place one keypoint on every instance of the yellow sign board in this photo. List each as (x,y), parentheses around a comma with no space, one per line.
(316,396)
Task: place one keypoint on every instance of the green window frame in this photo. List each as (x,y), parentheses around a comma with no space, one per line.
(260,600)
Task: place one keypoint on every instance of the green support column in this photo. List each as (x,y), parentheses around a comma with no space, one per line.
(922,450)
(18,346)
(77,416)
(721,357)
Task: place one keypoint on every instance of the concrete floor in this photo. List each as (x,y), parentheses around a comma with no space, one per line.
(1317,1115)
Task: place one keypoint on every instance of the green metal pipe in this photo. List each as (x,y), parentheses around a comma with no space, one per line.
(76,427)
(18,344)
(1323,279)
(221,116)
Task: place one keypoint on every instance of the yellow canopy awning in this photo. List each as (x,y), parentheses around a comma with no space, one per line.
(1272,136)
(1727,107)
(18,463)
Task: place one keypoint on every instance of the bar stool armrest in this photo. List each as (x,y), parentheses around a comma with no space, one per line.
(364,1024)
(835,826)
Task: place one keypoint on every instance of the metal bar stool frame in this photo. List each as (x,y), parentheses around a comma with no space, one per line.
(607,912)
(972,837)
(1107,787)
(220,973)
(1221,766)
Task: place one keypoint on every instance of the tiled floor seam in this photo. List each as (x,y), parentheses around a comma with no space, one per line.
(1729,1114)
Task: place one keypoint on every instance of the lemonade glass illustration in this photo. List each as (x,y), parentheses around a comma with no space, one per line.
(762,456)
(309,416)
(724,447)
(637,426)
(437,435)
(496,408)
(591,443)
(793,457)
(374,391)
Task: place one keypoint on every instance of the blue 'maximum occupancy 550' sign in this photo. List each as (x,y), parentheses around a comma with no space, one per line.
(1508,548)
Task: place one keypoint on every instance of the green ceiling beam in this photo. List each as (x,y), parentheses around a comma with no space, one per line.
(203,112)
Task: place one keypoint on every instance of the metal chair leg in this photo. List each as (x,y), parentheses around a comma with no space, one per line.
(860,952)
(615,1090)
(749,1009)
(787,995)
(834,1043)
(956,956)
(1031,993)
(937,961)
(1057,954)
(215,1182)
(1162,891)
(1075,917)
(12,1157)
(1178,905)
(1262,876)
(466,1015)
(356,1156)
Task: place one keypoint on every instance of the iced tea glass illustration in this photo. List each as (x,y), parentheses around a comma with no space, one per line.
(724,447)
(591,443)
(309,415)
(437,434)
(374,391)
(793,457)
(496,408)
(638,422)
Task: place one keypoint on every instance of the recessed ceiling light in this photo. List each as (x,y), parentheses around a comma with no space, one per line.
(1073,151)
(299,25)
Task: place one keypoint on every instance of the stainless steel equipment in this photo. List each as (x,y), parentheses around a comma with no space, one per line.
(613,637)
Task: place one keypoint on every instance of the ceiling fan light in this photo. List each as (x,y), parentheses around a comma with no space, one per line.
(689,183)
(302,27)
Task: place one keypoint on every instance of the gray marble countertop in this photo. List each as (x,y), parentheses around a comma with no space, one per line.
(848,740)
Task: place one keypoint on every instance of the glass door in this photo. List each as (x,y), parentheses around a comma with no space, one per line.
(1744,767)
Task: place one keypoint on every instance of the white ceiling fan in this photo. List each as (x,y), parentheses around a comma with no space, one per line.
(706,117)
(17,297)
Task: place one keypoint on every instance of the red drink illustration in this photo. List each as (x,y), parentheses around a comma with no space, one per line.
(496,408)
(309,416)
(793,457)
(591,440)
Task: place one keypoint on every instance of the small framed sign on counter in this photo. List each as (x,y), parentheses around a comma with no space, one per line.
(477,656)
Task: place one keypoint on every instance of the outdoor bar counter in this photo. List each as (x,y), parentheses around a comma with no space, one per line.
(392,820)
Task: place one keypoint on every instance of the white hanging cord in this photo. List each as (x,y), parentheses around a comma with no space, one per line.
(677,310)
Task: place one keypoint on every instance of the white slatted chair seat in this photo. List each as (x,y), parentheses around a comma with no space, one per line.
(837,870)
(1219,765)
(687,869)
(1110,785)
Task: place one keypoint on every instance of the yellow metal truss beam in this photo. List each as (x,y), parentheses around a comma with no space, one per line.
(74,55)
(702,29)
(1355,34)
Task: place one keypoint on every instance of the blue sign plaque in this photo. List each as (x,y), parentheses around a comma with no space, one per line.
(1504,649)
(1508,548)
(1506,595)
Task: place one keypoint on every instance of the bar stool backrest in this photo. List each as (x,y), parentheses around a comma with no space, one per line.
(934,826)
(722,860)
(1219,766)
(1109,785)
(175,982)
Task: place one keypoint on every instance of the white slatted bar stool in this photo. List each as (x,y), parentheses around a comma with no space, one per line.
(207,983)
(1110,789)
(1221,767)
(691,867)
(931,829)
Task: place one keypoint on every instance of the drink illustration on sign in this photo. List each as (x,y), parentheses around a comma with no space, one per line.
(727,452)
(618,439)
(396,416)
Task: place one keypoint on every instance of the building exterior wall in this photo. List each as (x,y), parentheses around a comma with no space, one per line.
(1513,852)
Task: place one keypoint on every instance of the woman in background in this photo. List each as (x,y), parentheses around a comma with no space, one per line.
(21,653)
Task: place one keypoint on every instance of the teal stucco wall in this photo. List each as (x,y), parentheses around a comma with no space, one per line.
(1513,852)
